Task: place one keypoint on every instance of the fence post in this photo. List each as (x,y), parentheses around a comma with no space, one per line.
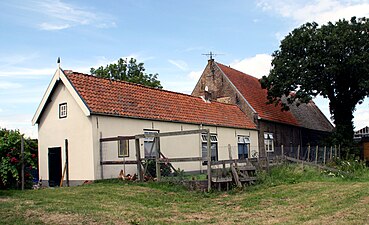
(22,156)
(101,159)
(298,152)
(209,159)
(67,160)
(157,163)
(324,155)
(308,156)
(282,150)
(138,158)
(330,155)
(316,154)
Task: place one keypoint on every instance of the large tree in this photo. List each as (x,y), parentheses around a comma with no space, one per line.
(128,71)
(330,60)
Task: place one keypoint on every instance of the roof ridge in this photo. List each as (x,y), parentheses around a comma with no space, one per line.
(140,85)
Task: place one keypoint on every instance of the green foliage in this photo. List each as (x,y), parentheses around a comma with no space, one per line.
(351,169)
(330,60)
(127,71)
(289,174)
(165,168)
(10,158)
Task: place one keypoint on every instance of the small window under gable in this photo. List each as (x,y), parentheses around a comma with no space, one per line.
(62,110)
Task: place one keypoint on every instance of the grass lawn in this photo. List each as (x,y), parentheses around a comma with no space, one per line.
(298,200)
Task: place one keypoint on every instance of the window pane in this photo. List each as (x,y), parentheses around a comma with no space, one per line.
(123,148)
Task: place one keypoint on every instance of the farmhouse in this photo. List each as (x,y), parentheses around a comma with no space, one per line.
(302,125)
(78,111)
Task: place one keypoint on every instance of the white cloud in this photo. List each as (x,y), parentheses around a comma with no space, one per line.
(9,85)
(361,115)
(48,26)
(182,65)
(60,15)
(22,122)
(26,72)
(256,66)
(11,59)
(320,11)
(195,75)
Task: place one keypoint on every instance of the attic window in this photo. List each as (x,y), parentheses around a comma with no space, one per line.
(62,110)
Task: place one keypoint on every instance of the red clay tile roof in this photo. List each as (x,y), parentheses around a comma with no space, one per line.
(250,88)
(120,98)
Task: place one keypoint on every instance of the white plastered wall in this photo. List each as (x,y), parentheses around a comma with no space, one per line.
(76,127)
(171,147)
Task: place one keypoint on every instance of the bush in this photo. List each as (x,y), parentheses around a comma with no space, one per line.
(353,168)
(289,174)
(165,168)
(10,159)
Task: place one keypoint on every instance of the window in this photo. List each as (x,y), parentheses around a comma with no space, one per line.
(123,148)
(62,110)
(213,147)
(268,142)
(243,147)
(151,144)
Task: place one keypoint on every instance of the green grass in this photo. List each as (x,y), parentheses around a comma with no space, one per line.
(288,195)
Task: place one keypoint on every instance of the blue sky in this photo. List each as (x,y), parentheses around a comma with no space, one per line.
(168,36)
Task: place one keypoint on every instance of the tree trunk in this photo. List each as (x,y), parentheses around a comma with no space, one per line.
(342,115)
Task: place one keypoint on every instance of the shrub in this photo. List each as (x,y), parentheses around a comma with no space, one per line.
(165,168)
(10,159)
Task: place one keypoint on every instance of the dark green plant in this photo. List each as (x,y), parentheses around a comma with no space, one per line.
(128,71)
(165,168)
(11,161)
(330,60)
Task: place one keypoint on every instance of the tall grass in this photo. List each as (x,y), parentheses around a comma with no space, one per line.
(289,173)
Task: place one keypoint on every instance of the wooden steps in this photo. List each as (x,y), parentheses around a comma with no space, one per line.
(233,172)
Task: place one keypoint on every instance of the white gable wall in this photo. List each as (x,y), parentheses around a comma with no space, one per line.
(171,147)
(76,127)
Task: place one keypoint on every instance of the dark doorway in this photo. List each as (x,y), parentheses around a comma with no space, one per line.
(55,166)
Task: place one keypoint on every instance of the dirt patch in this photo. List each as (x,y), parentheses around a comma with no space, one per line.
(5,199)
(59,218)
(365,200)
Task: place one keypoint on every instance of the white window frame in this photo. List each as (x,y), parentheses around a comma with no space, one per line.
(151,139)
(213,142)
(63,110)
(123,148)
(269,142)
(242,139)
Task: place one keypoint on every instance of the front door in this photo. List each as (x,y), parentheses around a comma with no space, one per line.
(55,166)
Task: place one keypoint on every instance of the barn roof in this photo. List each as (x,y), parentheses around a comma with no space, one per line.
(309,116)
(251,90)
(119,98)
